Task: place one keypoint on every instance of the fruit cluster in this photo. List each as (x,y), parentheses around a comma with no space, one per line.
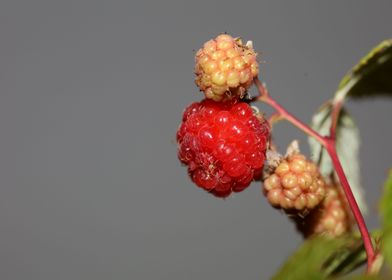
(221,139)
(225,68)
(332,218)
(296,183)
(223,144)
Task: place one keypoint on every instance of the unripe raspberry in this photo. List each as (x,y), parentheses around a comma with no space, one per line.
(295,184)
(225,68)
(223,144)
(332,218)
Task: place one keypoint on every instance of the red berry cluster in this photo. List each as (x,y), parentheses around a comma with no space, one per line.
(223,144)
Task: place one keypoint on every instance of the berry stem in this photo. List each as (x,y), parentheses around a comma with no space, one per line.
(266,98)
(330,147)
(274,118)
(329,143)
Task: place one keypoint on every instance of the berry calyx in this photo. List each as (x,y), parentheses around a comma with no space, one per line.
(295,184)
(225,68)
(223,144)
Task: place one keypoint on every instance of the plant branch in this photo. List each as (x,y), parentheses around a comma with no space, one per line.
(330,147)
(284,114)
(329,143)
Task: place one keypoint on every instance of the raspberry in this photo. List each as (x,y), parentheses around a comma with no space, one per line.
(332,218)
(295,184)
(225,68)
(223,144)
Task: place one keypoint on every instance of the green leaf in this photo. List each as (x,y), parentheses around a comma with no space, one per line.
(371,76)
(364,277)
(348,258)
(319,258)
(307,261)
(347,147)
(386,218)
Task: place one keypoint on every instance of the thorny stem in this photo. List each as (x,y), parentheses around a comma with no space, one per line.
(329,143)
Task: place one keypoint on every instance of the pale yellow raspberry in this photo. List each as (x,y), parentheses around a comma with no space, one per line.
(295,185)
(225,68)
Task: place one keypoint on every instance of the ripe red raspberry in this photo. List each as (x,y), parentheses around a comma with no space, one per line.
(296,184)
(332,218)
(225,68)
(223,144)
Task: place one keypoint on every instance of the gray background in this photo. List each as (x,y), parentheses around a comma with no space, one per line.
(91,94)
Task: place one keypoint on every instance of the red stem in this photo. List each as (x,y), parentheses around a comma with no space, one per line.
(329,144)
(336,108)
(265,97)
(330,147)
(286,115)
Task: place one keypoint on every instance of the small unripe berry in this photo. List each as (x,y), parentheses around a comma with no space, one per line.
(225,68)
(332,218)
(223,144)
(295,184)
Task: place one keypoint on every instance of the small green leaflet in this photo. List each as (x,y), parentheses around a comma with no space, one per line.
(320,258)
(371,76)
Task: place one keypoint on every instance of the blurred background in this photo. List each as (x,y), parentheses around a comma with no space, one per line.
(91,95)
